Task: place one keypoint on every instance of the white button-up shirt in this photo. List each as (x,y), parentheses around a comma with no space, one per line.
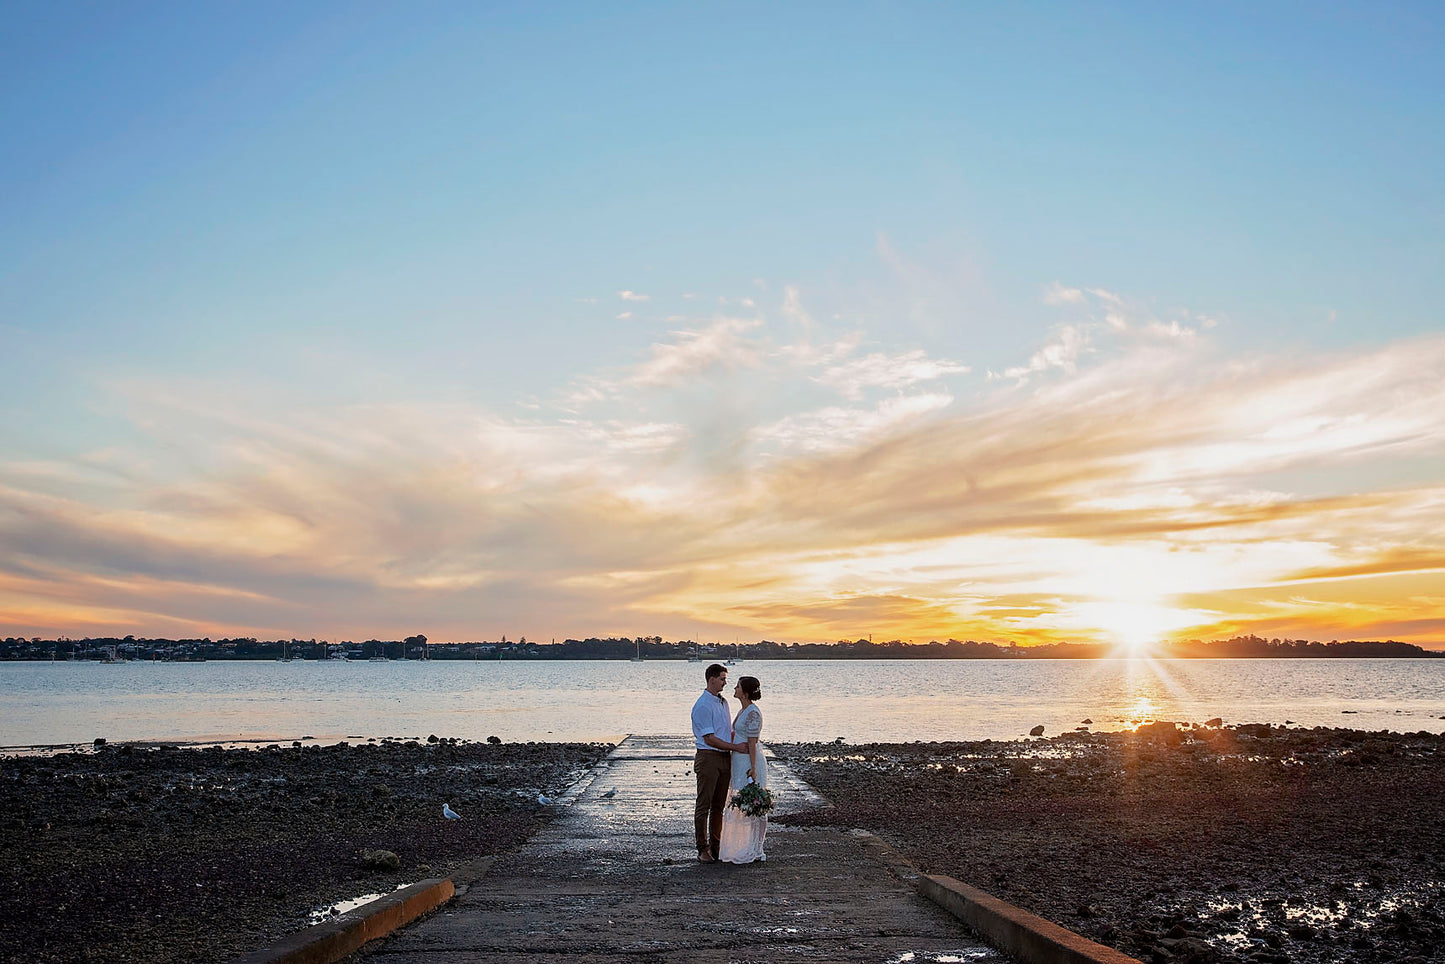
(710,714)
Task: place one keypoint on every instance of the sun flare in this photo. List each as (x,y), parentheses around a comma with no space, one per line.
(1136,626)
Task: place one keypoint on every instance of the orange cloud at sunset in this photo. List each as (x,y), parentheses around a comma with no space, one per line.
(1150,489)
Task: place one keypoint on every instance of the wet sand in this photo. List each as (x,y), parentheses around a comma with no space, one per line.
(1248,843)
(167,855)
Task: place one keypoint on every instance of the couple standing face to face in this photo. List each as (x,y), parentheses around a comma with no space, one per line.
(713,746)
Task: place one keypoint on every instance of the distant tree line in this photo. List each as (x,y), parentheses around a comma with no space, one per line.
(1256,647)
(655,647)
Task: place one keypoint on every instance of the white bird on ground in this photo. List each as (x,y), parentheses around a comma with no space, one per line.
(610,794)
(449,813)
(544,800)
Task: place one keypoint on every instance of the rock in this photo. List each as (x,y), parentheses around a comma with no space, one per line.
(1037,731)
(1161,730)
(100,740)
(433,738)
(1217,721)
(494,740)
(380,860)
(1087,722)
(1191,950)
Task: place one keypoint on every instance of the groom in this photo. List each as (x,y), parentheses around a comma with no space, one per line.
(712,732)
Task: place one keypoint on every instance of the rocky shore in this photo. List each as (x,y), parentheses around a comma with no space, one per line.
(1188,844)
(165,854)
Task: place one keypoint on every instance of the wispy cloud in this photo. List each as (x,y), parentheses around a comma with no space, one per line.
(878,370)
(633,296)
(724,343)
(718,482)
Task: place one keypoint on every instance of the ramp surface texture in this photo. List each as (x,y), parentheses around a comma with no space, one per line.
(615,879)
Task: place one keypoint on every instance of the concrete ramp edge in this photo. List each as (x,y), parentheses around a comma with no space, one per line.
(330,942)
(1026,936)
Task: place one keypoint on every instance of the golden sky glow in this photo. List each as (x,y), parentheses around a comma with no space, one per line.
(1029,324)
(1144,487)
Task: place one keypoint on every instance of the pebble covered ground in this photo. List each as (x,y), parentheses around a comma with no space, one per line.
(1175,845)
(164,854)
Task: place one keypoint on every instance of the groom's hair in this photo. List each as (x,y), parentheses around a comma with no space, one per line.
(716,669)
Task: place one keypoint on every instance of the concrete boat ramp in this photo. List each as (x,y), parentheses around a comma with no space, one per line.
(614,878)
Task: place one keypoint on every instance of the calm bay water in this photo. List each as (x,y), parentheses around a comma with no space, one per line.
(885,700)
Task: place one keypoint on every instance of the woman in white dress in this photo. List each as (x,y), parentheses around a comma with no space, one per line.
(742,836)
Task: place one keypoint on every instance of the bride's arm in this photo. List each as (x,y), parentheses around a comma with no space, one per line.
(753,757)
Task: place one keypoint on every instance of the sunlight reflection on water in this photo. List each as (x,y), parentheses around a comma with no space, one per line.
(876,700)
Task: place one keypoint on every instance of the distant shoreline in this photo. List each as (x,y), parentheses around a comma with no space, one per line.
(122,649)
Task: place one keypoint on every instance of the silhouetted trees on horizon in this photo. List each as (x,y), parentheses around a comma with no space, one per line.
(655,647)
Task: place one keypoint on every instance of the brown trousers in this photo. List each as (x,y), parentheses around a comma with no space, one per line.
(714,770)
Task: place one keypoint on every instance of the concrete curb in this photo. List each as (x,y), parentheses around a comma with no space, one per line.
(1026,936)
(329,942)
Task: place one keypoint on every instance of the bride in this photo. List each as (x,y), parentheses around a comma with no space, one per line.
(742,836)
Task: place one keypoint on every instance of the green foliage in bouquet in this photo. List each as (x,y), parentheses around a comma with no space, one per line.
(753,800)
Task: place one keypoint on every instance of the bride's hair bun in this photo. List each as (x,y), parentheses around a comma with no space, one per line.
(752,687)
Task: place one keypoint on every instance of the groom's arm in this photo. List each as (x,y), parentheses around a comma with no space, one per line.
(712,740)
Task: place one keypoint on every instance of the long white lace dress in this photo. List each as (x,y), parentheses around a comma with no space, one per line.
(742,836)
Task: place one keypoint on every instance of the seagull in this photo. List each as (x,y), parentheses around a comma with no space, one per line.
(449,813)
(610,794)
(544,800)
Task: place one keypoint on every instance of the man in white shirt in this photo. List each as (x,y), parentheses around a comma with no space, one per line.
(712,733)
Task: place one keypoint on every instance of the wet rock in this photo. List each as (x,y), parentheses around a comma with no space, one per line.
(380,860)
(494,740)
(1037,731)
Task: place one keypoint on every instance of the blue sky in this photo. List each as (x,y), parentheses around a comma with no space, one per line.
(260,214)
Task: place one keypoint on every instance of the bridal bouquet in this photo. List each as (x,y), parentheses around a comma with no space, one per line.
(753,800)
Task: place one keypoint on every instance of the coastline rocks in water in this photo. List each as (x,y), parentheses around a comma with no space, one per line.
(128,855)
(1226,845)
(1037,731)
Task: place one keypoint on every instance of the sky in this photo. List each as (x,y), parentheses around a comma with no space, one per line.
(1023,323)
